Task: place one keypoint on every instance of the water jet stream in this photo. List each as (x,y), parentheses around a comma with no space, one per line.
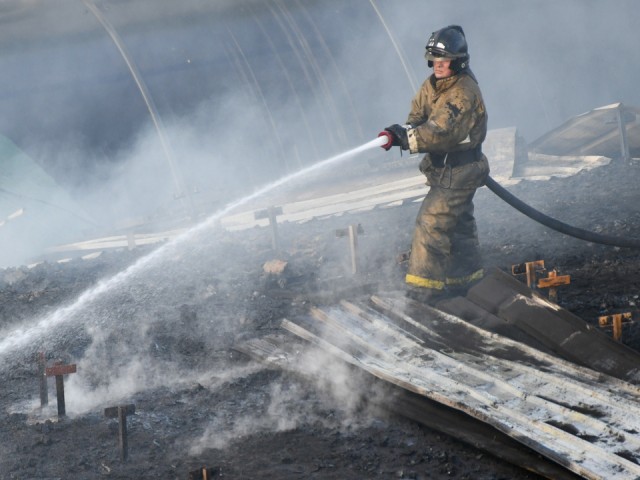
(22,338)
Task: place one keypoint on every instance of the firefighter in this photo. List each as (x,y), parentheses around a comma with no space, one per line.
(447,122)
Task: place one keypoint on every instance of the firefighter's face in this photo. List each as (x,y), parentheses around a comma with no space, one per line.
(442,68)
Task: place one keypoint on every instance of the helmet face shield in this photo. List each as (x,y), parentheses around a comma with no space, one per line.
(433,54)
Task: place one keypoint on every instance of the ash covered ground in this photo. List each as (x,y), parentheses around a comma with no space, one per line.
(157,328)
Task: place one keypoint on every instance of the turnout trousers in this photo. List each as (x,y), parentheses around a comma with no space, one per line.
(445,248)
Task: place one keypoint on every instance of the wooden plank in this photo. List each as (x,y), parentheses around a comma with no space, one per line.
(499,347)
(500,382)
(530,419)
(368,197)
(579,343)
(468,311)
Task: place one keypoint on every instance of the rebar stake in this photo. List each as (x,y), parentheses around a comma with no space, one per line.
(121,412)
(58,371)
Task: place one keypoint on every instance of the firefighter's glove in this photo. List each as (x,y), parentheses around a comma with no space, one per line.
(398,134)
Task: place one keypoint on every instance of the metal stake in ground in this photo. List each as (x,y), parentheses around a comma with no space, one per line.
(353,232)
(58,371)
(271,213)
(42,376)
(121,412)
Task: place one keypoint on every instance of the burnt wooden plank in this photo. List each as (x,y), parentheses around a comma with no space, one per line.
(556,328)
(465,309)
(458,335)
(498,380)
(580,343)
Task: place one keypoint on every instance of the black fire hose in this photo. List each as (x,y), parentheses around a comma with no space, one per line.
(557,225)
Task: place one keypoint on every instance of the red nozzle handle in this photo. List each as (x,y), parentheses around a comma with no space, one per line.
(389,143)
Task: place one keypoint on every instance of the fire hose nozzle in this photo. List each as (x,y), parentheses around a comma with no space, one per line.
(389,138)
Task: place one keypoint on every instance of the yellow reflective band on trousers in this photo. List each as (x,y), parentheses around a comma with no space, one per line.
(458,281)
(423,282)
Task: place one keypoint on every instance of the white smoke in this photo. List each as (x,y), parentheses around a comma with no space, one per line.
(337,400)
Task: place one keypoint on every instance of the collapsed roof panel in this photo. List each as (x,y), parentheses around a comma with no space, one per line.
(597,132)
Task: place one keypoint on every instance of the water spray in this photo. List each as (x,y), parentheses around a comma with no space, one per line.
(19,339)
